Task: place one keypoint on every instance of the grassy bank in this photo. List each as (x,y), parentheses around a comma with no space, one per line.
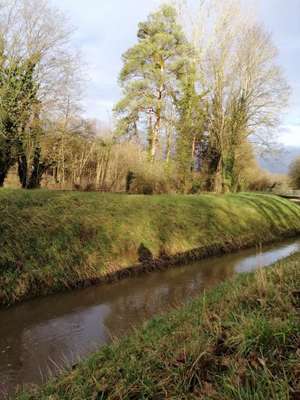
(240,341)
(52,241)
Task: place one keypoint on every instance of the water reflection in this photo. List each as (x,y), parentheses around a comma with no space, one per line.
(39,337)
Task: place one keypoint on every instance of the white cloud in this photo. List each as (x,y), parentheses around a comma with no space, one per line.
(290,135)
(107,28)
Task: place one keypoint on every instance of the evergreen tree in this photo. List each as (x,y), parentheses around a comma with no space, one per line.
(149,77)
(20,126)
(18,96)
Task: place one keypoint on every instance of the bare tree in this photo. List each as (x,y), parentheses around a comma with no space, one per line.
(246,90)
(34,28)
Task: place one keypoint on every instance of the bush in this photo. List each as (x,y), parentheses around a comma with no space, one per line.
(151,178)
(294,173)
(266,182)
(261,182)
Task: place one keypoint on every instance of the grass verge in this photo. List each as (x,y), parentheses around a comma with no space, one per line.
(239,341)
(51,241)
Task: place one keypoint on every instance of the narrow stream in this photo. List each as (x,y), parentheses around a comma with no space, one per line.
(39,337)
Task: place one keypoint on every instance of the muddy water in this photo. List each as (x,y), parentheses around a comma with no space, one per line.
(39,337)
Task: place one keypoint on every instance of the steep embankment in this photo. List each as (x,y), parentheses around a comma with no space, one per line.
(57,240)
(240,341)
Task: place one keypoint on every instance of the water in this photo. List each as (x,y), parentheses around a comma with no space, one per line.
(39,337)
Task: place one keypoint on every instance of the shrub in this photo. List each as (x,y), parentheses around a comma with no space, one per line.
(153,178)
(294,173)
(259,180)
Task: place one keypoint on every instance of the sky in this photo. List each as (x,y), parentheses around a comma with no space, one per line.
(105,29)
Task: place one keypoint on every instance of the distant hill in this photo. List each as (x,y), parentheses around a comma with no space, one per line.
(281,162)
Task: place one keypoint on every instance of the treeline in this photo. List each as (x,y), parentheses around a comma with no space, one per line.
(201,92)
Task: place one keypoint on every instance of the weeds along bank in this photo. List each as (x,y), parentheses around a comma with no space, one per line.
(52,241)
(240,341)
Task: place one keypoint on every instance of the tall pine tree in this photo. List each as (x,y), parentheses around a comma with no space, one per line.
(149,77)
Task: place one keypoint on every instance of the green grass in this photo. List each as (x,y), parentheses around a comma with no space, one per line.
(239,341)
(51,241)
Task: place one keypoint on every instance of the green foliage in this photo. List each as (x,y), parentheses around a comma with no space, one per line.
(237,137)
(190,125)
(20,128)
(88,236)
(206,92)
(239,341)
(150,76)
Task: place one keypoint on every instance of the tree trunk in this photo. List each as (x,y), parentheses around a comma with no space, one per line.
(37,172)
(3,174)
(155,132)
(23,170)
(32,179)
(155,136)
(193,152)
(218,179)
(168,144)
(2,179)
(7,160)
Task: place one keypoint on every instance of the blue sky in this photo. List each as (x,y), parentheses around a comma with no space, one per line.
(106,28)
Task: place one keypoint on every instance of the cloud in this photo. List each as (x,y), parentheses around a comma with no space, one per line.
(107,28)
(290,135)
